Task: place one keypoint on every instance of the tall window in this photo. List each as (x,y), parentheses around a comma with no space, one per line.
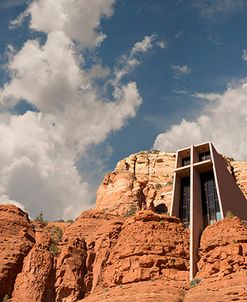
(210,203)
(185,201)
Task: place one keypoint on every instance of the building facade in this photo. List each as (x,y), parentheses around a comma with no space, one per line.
(203,192)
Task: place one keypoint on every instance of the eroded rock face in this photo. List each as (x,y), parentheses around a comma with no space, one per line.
(223,263)
(239,171)
(149,246)
(70,270)
(16,240)
(129,250)
(140,181)
(35,282)
(146,291)
(223,248)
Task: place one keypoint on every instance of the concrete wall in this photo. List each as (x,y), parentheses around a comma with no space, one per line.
(196,216)
(231,197)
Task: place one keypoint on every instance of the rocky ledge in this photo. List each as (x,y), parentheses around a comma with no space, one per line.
(110,258)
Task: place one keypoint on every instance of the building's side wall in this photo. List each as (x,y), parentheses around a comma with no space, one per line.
(231,197)
(196,221)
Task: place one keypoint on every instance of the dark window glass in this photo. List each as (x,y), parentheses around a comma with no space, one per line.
(204,156)
(186,161)
(210,203)
(185,201)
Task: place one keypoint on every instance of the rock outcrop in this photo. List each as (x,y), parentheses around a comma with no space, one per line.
(35,281)
(127,248)
(16,240)
(140,181)
(223,263)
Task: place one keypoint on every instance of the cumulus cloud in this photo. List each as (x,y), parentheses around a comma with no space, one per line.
(180,70)
(41,148)
(223,121)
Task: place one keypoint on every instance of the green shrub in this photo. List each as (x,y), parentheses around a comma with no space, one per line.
(40,217)
(6,298)
(154,151)
(158,187)
(169,183)
(161,222)
(229,214)
(56,236)
(131,211)
(195,282)
(70,221)
(244,222)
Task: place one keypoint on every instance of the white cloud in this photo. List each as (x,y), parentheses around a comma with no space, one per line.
(223,121)
(131,61)
(40,149)
(144,45)
(212,9)
(180,70)
(79,20)
(244,55)
(4,199)
(161,44)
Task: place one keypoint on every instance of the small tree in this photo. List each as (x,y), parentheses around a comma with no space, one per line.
(229,214)
(40,217)
(56,237)
(6,298)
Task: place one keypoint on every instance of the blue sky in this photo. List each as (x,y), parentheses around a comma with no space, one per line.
(86,83)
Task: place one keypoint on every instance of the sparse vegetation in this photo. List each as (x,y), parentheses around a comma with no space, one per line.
(131,211)
(244,222)
(56,237)
(195,282)
(40,217)
(158,187)
(169,183)
(6,298)
(70,221)
(229,214)
(161,222)
(60,220)
(154,151)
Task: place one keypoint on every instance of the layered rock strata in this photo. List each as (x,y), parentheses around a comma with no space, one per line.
(141,181)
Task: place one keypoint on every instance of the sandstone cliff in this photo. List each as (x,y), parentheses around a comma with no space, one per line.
(117,253)
(141,181)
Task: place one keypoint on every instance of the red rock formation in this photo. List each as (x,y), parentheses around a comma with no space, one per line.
(223,263)
(223,248)
(148,246)
(140,181)
(70,270)
(239,171)
(146,291)
(16,240)
(35,282)
(141,256)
